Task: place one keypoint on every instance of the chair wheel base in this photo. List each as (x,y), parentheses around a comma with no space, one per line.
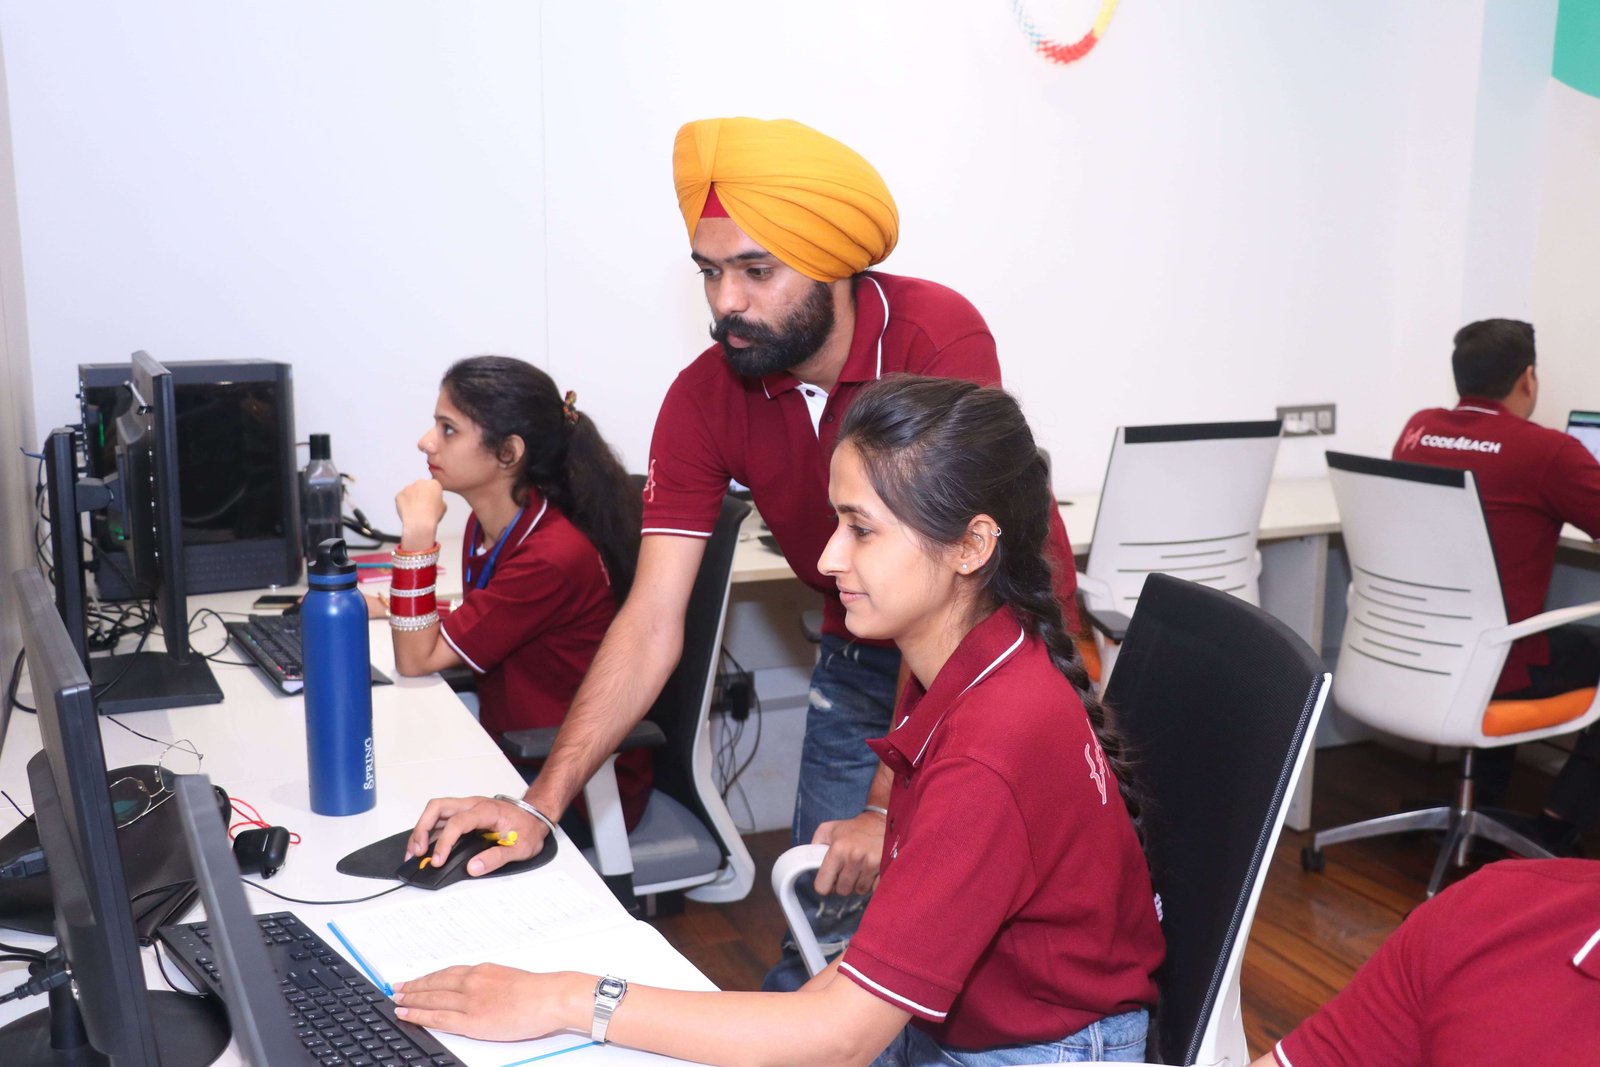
(1312,860)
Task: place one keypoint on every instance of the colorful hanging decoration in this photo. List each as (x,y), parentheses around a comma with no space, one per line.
(1055,51)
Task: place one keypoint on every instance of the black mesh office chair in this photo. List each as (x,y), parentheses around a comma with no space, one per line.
(1218,702)
(686,840)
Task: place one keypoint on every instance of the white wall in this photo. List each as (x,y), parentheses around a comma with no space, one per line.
(354,188)
(16,410)
(1567,264)
(1224,208)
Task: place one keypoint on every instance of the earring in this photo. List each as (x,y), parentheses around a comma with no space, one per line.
(997,531)
(963,567)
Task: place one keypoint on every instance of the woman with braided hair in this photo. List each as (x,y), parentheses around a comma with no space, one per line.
(1014,920)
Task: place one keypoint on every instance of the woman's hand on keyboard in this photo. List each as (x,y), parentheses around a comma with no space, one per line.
(446,819)
(494,1003)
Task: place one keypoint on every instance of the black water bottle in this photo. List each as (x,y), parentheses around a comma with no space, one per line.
(321,496)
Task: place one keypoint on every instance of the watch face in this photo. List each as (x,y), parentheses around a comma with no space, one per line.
(610,987)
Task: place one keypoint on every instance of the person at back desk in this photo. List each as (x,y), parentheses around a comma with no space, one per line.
(549,551)
(1531,480)
(783,223)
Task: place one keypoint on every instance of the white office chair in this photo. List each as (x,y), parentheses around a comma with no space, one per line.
(686,840)
(1202,674)
(1183,500)
(1426,639)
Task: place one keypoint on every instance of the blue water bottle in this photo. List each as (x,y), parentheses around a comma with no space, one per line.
(336,651)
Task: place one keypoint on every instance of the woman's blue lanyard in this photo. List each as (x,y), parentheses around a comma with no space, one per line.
(494,555)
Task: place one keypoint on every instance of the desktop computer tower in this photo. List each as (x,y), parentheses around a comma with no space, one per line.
(236,473)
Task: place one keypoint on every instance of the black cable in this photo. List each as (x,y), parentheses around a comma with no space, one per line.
(11,689)
(212,656)
(168,888)
(126,667)
(9,957)
(43,984)
(162,967)
(297,900)
(19,950)
(14,804)
(755,700)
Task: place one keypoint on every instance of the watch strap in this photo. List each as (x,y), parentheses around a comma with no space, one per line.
(608,994)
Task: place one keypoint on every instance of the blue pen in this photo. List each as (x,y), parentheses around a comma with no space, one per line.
(372,973)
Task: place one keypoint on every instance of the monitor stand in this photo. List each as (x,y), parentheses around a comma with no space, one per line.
(190,1032)
(148,681)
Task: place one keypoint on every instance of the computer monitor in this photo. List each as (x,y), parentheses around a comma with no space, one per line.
(236,458)
(105,1015)
(144,502)
(1585,426)
(255,1007)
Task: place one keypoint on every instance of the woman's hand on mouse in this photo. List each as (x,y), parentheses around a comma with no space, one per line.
(446,819)
(494,1003)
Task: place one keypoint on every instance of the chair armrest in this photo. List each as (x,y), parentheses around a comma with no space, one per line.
(1093,587)
(535,744)
(790,867)
(1545,620)
(1114,624)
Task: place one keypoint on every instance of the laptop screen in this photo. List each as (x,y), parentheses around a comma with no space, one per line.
(1585,426)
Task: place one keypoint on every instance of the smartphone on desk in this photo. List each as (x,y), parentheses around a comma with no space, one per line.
(276,601)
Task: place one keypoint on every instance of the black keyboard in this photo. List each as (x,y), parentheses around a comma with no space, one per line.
(273,642)
(337,1014)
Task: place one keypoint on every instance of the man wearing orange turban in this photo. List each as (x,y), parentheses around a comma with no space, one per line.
(783,223)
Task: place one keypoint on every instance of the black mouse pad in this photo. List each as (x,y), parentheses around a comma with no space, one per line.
(379,859)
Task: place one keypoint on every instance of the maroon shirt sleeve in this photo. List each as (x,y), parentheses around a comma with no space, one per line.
(687,477)
(1378,1017)
(977,866)
(1571,487)
(528,591)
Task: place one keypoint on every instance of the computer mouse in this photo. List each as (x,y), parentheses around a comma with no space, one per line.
(422,872)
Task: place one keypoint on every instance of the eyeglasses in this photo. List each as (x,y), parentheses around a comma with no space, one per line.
(133,798)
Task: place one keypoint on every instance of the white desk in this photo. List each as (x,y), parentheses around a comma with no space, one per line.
(427,745)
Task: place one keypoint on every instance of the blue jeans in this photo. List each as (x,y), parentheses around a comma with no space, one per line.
(852,699)
(1114,1039)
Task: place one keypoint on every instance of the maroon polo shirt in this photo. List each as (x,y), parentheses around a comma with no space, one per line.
(1502,967)
(532,631)
(1531,480)
(1014,904)
(715,425)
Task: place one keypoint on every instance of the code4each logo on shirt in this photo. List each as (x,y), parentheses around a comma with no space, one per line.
(1450,444)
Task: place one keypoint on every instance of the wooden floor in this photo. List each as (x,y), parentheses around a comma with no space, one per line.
(1311,931)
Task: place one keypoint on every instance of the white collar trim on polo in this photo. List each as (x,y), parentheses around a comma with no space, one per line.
(817,398)
(1022,635)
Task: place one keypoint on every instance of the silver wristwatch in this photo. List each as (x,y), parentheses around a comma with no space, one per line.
(608,993)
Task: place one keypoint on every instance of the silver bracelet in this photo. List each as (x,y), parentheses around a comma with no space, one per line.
(407,623)
(403,593)
(873,807)
(529,808)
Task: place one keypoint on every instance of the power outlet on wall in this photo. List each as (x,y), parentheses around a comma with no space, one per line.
(1300,420)
(733,694)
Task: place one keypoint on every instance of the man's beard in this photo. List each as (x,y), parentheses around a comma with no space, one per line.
(772,349)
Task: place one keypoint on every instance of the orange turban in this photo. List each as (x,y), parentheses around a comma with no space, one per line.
(809,200)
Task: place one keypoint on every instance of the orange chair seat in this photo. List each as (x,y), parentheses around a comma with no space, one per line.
(1505,717)
(1089,652)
